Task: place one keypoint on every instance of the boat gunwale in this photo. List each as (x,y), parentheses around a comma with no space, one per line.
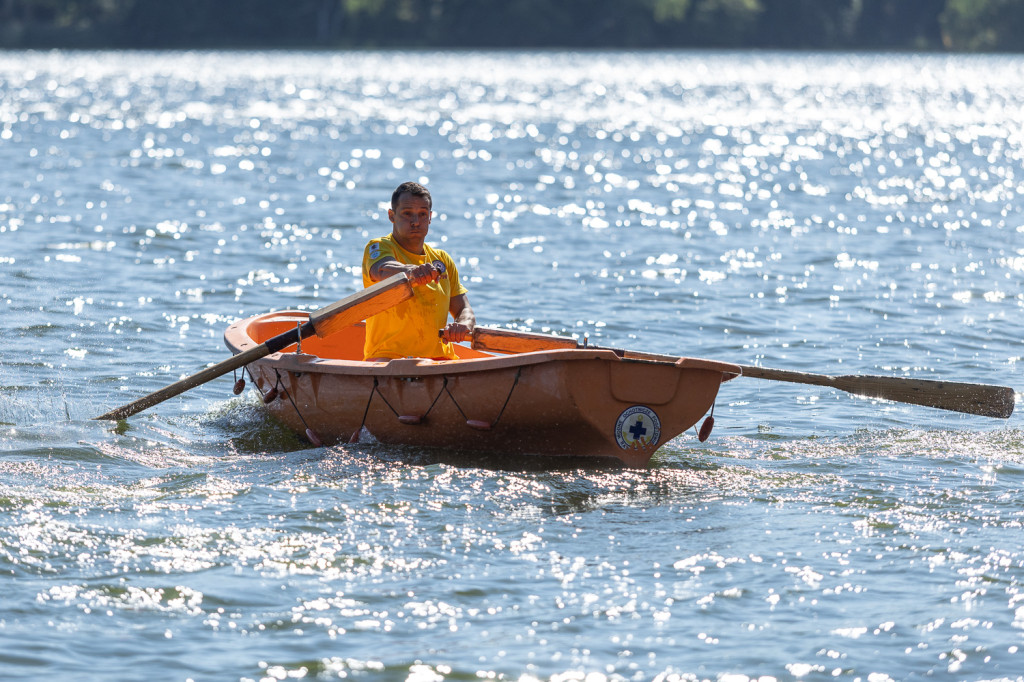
(237,339)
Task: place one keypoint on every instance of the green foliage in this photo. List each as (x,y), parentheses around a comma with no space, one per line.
(785,24)
(974,25)
(733,23)
(898,24)
(669,10)
(367,6)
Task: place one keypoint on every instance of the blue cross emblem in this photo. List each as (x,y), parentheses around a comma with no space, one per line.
(638,430)
(637,427)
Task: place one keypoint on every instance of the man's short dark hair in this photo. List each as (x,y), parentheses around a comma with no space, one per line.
(413,188)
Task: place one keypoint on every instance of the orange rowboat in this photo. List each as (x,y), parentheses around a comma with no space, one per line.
(574,402)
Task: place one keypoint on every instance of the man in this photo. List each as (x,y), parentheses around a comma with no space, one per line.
(410,329)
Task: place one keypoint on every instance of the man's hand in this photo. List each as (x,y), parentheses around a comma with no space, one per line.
(464,320)
(456,332)
(423,274)
(418,274)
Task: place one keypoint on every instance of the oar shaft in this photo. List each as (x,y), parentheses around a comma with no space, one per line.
(789,376)
(981,399)
(279,342)
(360,305)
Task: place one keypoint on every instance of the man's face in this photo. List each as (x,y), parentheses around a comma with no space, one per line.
(411,221)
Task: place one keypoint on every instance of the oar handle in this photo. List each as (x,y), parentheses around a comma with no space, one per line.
(513,341)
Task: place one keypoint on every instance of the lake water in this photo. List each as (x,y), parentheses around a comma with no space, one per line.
(827,213)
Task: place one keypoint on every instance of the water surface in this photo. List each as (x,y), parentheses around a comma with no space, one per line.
(828,213)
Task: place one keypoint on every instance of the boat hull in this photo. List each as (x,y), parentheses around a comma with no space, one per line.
(576,403)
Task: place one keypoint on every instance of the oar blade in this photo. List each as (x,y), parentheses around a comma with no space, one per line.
(981,399)
(985,400)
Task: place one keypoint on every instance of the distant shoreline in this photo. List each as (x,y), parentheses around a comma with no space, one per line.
(940,26)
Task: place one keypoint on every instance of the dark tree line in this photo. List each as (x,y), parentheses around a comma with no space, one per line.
(955,25)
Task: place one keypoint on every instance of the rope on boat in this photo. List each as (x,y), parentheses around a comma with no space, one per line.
(271,395)
(239,383)
(362,422)
(444,387)
(709,423)
(252,378)
(310,433)
(454,401)
(418,419)
(519,371)
(274,393)
(480,424)
(410,419)
(376,388)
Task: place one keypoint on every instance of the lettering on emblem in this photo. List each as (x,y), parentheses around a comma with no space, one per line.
(637,427)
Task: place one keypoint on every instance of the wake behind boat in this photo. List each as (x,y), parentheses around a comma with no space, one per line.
(576,402)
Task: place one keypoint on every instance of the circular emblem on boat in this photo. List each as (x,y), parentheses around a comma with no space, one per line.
(637,427)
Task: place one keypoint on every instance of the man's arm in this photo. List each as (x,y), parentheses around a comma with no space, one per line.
(465,320)
(418,274)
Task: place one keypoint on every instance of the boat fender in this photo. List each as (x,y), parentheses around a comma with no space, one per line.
(479,425)
(313,438)
(239,387)
(705,428)
(270,396)
(410,419)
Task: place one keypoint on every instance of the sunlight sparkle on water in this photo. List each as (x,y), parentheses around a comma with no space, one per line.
(824,213)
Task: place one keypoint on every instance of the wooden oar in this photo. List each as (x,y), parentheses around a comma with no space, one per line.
(981,399)
(346,312)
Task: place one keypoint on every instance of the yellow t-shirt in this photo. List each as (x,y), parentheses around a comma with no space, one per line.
(410,328)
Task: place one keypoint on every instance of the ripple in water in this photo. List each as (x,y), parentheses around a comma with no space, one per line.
(828,213)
